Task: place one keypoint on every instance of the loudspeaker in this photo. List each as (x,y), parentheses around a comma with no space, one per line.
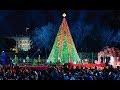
(107,61)
(101,59)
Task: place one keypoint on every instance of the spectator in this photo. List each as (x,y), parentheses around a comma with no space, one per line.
(10,72)
(66,77)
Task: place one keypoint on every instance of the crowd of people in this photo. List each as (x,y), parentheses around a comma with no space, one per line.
(10,72)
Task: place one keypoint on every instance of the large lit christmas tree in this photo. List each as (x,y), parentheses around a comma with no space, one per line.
(63,50)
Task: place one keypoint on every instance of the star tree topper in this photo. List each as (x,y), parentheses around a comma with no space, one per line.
(64,15)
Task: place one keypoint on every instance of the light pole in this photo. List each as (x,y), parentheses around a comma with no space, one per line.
(27,30)
(92,58)
(39,57)
(16,51)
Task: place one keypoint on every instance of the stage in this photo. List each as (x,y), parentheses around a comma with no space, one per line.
(90,65)
(35,67)
(102,65)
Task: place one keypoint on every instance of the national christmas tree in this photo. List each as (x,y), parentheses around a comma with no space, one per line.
(63,50)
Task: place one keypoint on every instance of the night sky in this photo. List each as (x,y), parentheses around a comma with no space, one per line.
(95,23)
(15,21)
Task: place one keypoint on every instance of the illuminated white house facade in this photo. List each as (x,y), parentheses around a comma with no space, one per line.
(23,43)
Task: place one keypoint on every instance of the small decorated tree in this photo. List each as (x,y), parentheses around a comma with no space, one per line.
(34,62)
(27,59)
(15,61)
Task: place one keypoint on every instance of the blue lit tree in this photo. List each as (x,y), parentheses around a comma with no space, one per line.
(43,37)
(105,36)
(116,38)
(80,30)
